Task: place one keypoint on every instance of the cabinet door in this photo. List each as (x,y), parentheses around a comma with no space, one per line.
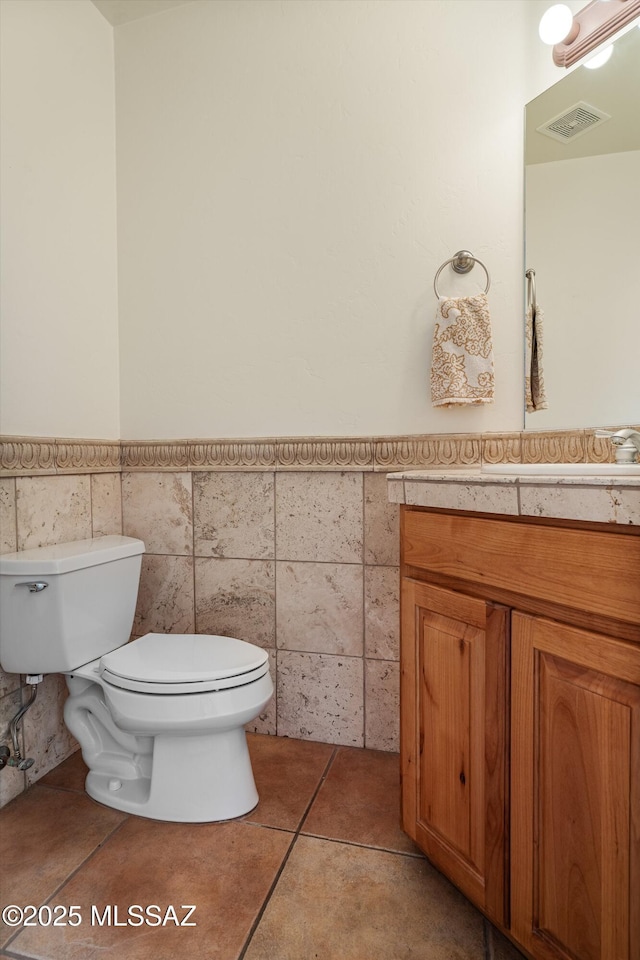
(575,854)
(453,737)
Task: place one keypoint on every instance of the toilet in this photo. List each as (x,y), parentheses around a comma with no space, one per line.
(160,720)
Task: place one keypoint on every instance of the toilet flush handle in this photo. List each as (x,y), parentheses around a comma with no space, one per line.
(35,586)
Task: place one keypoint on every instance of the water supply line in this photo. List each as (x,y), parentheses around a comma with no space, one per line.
(17,759)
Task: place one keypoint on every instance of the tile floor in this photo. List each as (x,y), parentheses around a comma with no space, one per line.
(320,870)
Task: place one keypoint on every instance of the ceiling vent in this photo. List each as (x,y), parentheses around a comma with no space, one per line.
(572,123)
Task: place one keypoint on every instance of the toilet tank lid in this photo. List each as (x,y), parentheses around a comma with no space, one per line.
(66,557)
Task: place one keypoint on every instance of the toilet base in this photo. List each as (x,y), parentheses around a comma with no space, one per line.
(195,779)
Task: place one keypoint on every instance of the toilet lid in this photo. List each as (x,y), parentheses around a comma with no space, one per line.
(183,661)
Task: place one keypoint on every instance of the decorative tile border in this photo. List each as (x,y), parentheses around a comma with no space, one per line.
(232,454)
(435,450)
(31,456)
(502,448)
(553,447)
(88,456)
(318,453)
(154,455)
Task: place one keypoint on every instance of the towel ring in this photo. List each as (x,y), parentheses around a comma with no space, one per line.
(531,292)
(461,262)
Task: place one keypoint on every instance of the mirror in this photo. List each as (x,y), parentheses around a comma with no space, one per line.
(582,238)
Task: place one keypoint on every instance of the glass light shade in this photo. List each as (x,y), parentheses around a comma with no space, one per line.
(555,24)
(600,58)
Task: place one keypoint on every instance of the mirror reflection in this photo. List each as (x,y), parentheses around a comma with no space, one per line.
(582,216)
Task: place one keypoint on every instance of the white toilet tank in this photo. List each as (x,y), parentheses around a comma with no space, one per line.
(65,605)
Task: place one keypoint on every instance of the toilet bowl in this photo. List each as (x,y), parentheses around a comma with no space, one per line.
(161,725)
(160,720)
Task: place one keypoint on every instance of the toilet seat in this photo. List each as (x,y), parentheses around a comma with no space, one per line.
(183,663)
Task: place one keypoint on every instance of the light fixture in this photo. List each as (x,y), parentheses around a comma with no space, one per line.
(575,36)
(556,24)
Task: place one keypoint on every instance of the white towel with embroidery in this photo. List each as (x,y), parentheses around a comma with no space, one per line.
(534,391)
(462,364)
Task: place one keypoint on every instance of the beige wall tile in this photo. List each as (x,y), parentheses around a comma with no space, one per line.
(319,517)
(381,522)
(571,501)
(52,510)
(236,598)
(234,515)
(320,697)
(382,613)
(8,682)
(8,534)
(266,721)
(382,686)
(165,597)
(487,497)
(46,738)
(157,508)
(12,781)
(106,504)
(395,492)
(319,607)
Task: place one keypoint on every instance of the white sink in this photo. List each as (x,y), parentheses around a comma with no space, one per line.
(563,469)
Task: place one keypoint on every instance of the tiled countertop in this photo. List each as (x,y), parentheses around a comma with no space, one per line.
(596,499)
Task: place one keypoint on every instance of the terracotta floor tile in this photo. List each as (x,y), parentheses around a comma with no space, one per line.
(360,801)
(45,835)
(341,902)
(69,775)
(287,772)
(225,869)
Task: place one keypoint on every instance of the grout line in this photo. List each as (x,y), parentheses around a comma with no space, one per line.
(285,860)
(73,873)
(51,786)
(487,932)
(323,777)
(275,601)
(193,552)
(332,563)
(91,502)
(364,626)
(366,846)
(14,955)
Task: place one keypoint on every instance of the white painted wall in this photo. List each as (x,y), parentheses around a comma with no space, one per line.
(587,317)
(290,177)
(59,333)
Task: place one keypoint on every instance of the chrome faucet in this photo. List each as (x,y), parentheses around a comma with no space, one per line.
(627,444)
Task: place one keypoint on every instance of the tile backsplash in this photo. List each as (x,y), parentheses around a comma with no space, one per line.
(289,543)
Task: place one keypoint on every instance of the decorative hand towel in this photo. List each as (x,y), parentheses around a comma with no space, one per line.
(462,366)
(534,392)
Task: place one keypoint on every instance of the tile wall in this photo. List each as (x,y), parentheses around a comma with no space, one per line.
(304,564)
(289,543)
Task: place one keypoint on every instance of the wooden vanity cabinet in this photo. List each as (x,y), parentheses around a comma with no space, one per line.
(454,710)
(575,814)
(520,723)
